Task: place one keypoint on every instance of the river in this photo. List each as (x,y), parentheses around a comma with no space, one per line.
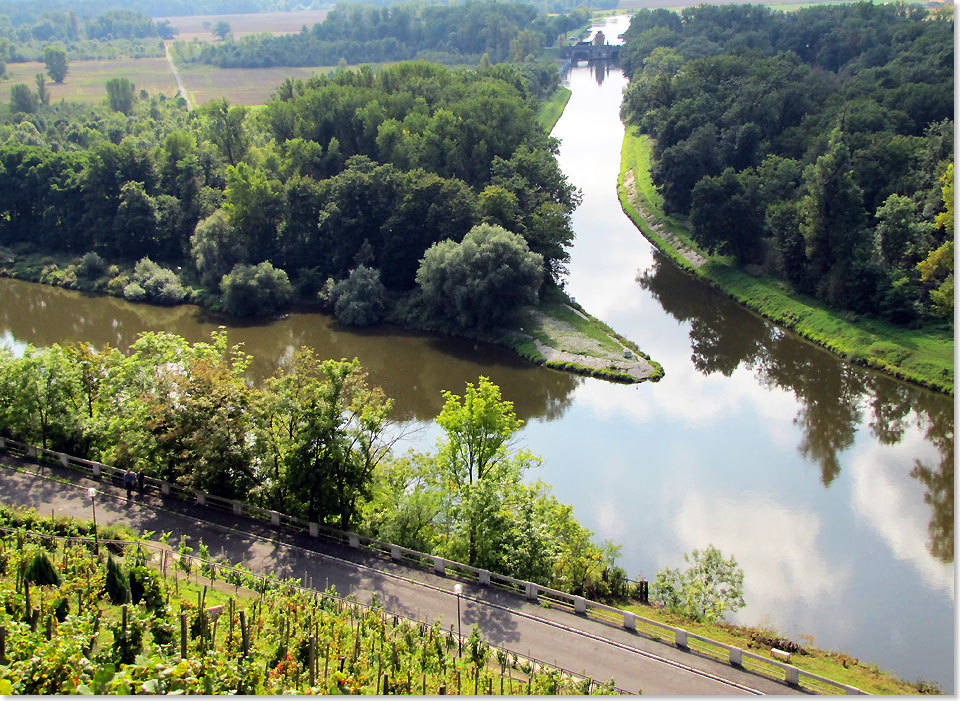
(832,485)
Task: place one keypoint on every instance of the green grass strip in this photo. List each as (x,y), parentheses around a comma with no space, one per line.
(923,356)
(550,111)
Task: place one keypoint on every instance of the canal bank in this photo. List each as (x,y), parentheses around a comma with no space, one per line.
(924,356)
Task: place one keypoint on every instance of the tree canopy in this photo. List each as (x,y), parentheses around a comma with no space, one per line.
(810,144)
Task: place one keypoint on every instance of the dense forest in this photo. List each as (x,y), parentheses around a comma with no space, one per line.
(816,144)
(313,441)
(356,170)
(357,33)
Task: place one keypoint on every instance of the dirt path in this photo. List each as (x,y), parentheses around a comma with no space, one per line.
(630,187)
(176,75)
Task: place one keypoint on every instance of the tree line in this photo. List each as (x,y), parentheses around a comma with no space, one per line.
(314,441)
(352,169)
(358,33)
(817,144)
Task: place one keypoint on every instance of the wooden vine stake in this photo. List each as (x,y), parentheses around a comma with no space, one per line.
(313,660)
(183,636)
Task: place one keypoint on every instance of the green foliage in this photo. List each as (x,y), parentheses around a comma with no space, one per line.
(709,588)
(872,139)
(260,289)
(476,283)
(216,247)
(157,284)
(116,584)
(221,29)
(41,571)
(361,299)
(55,61)
(21,99)
(120,95)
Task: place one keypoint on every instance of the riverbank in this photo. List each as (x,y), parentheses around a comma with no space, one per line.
(923,356)
(834,665)
(558,333)
(552,109)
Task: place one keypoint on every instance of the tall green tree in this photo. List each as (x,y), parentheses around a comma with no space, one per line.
(22,99)
(476,283)
(120,95)
(55,60)
(475,463)
(322,432)
(224,127)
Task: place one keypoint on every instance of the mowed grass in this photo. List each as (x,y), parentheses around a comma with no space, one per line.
(924,356)
(86,80)
(192,27)
(551,110)
(243,86)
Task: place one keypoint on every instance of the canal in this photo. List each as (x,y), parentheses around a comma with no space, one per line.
(832,485)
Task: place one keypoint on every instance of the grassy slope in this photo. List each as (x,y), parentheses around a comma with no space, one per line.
(924,356)
(837,666)
(549,113)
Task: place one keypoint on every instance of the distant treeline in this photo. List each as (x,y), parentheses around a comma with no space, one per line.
(816,144)
(358,33)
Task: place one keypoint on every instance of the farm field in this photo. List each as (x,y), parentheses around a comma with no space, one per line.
(86,80)
(192,26)
(242,86)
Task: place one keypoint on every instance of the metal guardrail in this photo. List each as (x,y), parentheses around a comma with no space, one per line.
(681,638)
(215,566)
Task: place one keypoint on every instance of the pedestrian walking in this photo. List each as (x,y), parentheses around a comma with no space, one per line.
(129,480)
(141,479)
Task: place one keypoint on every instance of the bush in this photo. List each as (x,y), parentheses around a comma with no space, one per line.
(91,266)
(41,571)
(145,586)
(261,289)
(709,588)
(118,590)
(159,284)
(361,299)
(133,292)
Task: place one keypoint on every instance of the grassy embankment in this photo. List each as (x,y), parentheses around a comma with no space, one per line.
(923,356)
(837,666)
(551,109)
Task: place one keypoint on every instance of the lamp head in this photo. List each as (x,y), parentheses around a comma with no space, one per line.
(91,492)
(458,589)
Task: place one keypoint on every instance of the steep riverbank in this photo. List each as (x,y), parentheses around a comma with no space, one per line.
(922,356)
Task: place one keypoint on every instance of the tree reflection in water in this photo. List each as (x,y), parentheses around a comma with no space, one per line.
(834,396)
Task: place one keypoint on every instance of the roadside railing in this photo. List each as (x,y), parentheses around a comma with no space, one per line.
(679,637)
(197,565)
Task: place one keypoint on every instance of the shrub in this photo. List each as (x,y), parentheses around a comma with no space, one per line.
(260,289)
(361,299)
(118,590)
(133,292)
(159,284)
(41,570)
(91,266)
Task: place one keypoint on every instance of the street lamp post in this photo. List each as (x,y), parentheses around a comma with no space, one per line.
(458,590)
(92,493)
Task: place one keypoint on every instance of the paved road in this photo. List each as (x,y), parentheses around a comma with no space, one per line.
(574,642)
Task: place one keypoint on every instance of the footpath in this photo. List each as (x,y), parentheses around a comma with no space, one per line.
(505,619)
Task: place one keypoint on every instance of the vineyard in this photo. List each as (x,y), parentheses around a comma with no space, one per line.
(81,613)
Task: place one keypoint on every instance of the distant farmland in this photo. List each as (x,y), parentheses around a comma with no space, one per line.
(86,80)
(242,86)
(192,26)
